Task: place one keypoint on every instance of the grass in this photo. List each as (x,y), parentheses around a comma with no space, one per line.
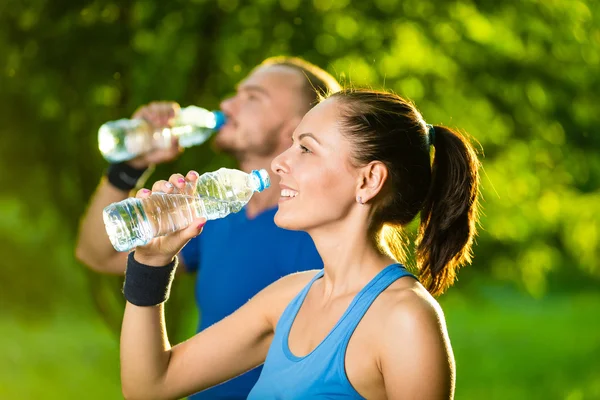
(66,358)
(510,346)
(507,346)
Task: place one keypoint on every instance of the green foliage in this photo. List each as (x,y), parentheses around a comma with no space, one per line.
(521,77)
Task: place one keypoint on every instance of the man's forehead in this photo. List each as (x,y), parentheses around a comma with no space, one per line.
(273,76)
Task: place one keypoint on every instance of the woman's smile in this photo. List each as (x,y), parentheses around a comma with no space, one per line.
(287,194)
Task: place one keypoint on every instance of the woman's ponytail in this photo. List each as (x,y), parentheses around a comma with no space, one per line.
(450,212)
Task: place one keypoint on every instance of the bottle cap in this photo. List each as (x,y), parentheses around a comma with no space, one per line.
(263,178)
(220,119)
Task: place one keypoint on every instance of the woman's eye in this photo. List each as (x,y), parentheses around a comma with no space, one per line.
(304,149)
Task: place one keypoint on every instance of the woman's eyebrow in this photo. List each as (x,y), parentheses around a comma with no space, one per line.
(309,135)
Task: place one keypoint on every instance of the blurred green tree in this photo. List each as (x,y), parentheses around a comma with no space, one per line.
(521,77)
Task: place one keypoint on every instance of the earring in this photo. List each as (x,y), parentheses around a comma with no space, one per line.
(359,200)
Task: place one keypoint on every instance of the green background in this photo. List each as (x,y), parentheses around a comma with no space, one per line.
(523,78)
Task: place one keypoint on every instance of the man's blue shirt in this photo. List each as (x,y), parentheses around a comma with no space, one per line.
(235,258)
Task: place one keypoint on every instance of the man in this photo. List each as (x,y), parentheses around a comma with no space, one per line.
(239,255)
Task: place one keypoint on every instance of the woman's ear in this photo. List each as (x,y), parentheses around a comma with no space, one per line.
(371,179)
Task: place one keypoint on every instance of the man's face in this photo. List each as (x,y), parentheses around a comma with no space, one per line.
(264,112)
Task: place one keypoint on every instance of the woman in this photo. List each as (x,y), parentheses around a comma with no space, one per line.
(358,171)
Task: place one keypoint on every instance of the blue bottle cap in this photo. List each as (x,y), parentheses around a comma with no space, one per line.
(263,178)
(220,119)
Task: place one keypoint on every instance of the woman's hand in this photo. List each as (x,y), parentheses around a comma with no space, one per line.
(161,250)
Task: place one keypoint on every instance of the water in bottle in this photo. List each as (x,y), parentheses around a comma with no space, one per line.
(134,222)
(125,139)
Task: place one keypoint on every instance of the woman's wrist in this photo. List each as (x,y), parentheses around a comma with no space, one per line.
(147,285)
(152,260)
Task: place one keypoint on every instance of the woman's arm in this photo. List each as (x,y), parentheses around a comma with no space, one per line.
(152,369)
(416,357)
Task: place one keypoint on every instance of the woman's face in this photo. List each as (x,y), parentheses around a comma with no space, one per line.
(318,182)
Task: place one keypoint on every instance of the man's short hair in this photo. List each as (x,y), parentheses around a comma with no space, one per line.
(318,83)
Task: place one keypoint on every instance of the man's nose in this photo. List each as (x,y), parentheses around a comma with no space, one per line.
(228,105)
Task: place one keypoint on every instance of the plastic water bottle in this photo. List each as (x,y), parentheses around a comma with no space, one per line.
(125,139)
(134,222)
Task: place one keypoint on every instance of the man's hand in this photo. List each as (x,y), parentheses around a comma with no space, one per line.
(159,114)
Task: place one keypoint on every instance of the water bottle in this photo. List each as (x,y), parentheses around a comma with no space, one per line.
(134,222)
(124,139)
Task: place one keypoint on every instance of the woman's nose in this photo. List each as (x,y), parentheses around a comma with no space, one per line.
(279,164)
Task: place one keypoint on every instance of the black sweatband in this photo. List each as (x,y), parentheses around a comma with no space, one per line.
(123,176)
(145,285)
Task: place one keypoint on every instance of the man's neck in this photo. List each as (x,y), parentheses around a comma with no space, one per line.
(268,199)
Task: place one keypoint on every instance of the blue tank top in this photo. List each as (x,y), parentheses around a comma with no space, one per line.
(236,257)
(321,374)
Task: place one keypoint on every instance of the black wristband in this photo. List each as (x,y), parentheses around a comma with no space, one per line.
(145,285)
(123,176)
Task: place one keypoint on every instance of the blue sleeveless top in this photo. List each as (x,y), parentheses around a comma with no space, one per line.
(218,294)
(321,374)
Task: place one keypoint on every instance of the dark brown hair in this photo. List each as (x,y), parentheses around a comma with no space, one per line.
(385,127)
(318,83)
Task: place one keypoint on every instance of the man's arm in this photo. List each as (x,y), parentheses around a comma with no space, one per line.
(93,246)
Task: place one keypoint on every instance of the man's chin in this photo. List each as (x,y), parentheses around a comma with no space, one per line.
(224,147)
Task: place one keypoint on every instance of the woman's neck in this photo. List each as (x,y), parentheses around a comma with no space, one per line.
(350,258)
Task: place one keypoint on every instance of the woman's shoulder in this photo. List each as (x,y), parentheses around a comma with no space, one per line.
(412,321)
(412,336)
(281,292)
(407,308)
(290,285)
